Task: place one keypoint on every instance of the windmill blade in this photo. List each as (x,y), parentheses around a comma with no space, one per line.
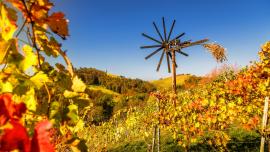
(185,42)
(153,53)
(180,35)
(158,31)
(150,46)
(149,37)
(168,62)
(164,28)
(160,60)
(196,43)
(183,53)
(171,31)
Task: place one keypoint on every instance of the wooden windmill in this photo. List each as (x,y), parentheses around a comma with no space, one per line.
(172,46)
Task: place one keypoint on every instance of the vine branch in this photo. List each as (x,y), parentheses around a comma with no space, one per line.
(29,14)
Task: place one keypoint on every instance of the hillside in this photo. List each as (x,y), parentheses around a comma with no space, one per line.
(119,84)
(182,80)
(103,90)
(110,93)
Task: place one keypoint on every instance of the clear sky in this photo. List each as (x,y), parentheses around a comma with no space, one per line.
(106,34)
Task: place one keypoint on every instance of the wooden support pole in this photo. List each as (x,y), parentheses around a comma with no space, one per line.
(173,72)
(154,139)
(158,128)
(158,139)
(174,76)
(264,122)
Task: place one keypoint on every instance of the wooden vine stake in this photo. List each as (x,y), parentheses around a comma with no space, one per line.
(264,122)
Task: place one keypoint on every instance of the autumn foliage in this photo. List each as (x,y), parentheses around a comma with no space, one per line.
(35,95)
(15,135)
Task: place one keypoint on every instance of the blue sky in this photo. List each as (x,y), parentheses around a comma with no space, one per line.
(107,34)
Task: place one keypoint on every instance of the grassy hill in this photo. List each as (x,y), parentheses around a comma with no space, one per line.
(103,90)
(118,84)
(166,83)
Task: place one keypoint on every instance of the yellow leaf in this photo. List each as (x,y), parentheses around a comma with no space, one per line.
(6,87)
(197,125)
(79,126)
(30,59)
(78,85)
(39,79)
(70,94)
(4,45)
(8,20)
(30,100)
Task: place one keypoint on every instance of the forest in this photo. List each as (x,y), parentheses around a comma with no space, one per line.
(49,105)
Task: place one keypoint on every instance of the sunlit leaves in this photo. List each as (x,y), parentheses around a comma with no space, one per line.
(58,24)
(4,46)
(73,113)
(6,87)
(10,110)
(39,79)
(41,138)
(27,74)
(30,100)
(15,138)
(8,20)
(15,135)
(40,9)
(8,26)
(78,85)
(70,94)
(30,58)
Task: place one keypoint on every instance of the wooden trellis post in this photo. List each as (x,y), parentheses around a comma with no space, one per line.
(156,132)
(264,122)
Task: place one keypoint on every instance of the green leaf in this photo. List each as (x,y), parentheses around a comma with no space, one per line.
(54,109)
(30,100)
(73,112)
(39,79)
(78,85)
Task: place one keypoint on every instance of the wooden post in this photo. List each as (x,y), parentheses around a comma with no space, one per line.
(158,139)
(173,72)
(174,76)
(264,122)
(158,128)
(154,139)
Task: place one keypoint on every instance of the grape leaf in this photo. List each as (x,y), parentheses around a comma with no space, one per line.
(70,94)
(8,20)
(30,100)
(41,139)
(30,59)
(78,85)
(6,87)
(10,110)
(39,79)
(15,138)
(4,45)
(58,24)
(73,112)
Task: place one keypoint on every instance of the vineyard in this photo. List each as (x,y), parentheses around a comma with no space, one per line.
(47,106)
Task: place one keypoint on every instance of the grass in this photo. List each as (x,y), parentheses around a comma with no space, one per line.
(166,83)
(102,89)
